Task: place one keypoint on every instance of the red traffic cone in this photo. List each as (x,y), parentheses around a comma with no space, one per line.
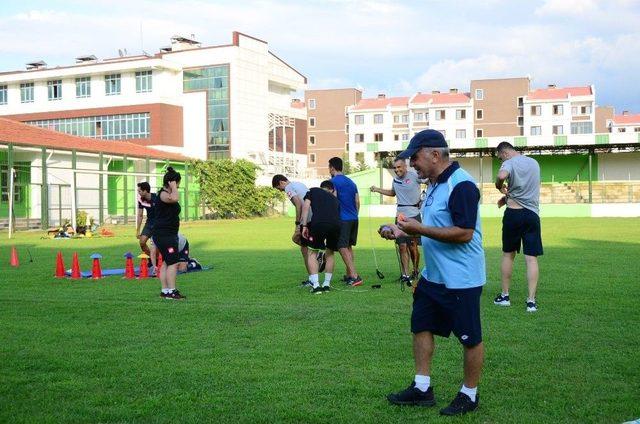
(14,257)
(59,266)
(144,267)
(129,273)
(158,264)
(96,271)
(75,267)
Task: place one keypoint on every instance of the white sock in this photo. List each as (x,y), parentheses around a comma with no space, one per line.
(314,279)
(471,392)
(422,382)
(166,291)
(327,278)
(531,300)
(505,294)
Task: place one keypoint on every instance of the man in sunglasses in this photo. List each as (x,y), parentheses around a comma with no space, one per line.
(447,297)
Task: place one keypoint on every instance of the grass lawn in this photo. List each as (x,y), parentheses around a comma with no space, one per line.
(248,345)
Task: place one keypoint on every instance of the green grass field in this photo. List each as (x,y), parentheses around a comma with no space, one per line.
(248,345)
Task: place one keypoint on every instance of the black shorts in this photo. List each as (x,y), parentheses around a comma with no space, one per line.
(410,239)
(147,230)
(168,247)
(348,233)
(441,311)
(183,255)
(521,226)
(322,235)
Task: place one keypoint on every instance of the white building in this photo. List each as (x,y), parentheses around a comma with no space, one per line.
(222,101)
(626,122)
(559,111)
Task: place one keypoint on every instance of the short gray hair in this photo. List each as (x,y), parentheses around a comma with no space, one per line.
(444,151)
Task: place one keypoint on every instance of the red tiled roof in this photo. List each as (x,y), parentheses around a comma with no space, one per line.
(559,93)
(442,98)
(378,103)
(28,135)
(627,119)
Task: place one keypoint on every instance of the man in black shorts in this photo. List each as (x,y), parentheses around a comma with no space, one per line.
(185,262)
(322,232)
(146,202)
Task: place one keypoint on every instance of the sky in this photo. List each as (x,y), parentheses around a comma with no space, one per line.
(396,48)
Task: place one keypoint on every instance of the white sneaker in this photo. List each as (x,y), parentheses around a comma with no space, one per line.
(532,307)
(501,300)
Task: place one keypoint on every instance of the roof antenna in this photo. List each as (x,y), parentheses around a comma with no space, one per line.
(120,53)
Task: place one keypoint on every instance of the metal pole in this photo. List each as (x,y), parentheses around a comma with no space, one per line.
(381,180)
(481,178)
(100,189)
(44,193)
(59,205)
(186,191)
(590,178)
(295,167)
(125,181)
(11,193)
(74,205)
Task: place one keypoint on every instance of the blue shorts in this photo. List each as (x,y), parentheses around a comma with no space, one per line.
(441,311)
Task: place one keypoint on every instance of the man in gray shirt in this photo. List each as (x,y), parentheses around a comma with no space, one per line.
(406,188)
(521,221)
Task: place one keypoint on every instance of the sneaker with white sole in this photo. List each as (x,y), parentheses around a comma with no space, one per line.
(502,300)
(316,290)
(532,307)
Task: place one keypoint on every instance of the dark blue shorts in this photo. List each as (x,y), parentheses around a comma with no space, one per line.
(441,311)
(521,227)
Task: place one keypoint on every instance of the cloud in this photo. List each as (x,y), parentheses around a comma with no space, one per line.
(567,7)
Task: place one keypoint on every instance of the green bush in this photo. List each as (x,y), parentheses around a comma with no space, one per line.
(229,189)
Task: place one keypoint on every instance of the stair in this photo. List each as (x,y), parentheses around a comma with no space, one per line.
(21,224)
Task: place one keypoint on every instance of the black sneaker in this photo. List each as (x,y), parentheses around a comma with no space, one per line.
(532,307)
(345,278)
(306,283)
(355,282)
(461,404)
(406,280)
(413,396)
(321,261)
(175,295)
(316,290)
(501,300)
(326,288)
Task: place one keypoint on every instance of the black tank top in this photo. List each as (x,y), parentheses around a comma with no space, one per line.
(167,216)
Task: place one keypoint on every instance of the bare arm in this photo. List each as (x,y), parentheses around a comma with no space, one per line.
(451,234)
(383,191)
(500,179)
(170,196)
(298,204)
(139,221)
(306,206)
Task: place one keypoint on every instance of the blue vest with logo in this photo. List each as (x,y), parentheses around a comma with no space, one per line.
(456,265)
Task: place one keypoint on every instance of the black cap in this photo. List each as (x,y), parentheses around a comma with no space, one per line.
(425,138)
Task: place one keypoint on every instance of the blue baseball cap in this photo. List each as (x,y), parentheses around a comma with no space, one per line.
(425,138)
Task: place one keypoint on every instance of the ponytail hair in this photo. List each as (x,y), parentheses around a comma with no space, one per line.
(171,175)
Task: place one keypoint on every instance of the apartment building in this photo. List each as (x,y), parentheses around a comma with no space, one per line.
(327,125)
(498,106)
(221,101)
(626,122)
(559,111)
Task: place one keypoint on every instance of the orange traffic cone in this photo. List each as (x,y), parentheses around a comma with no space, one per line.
(59,266)
(158,264)
(14,257)
(96,272)
(75,267)
(129,273)
(144,267)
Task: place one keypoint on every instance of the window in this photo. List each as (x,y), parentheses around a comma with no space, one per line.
(359,138)
(144,81)
(112,84)
(558,109)
(585,110)
(377,118)
(405,119)
(557,130)
(396,137)
(461,134)
(479,114)
(358,119)
(83,87)
(581,128)
(312,103)
(3,94)
(440,114)
(636,129)
(536,110)
(461,114)
(405,137)
(479,133)
(418,116)
(346,128)
(622,130)
(377,137)
(54,88)
(312,122)
(26,92)
(537,130)
(520,121)
(479,94)
(574,110)
(312,140)
(312,158)
(109,127)
(396,119)
(520,101)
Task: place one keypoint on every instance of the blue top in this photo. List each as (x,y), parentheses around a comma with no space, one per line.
(453,201)
(347,191)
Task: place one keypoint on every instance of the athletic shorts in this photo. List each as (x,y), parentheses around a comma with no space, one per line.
(147,229)
(408,240)
(348,233)
(442,311)
(322,235)
(521,227)
(168,247)
(183,255)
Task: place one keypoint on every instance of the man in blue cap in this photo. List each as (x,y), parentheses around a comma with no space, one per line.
(447,296)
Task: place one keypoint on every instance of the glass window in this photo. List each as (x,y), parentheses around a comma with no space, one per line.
(405,119)
(378,137)
(441,114)
(479,114)
(358,119)
(479,133)
(312,139)
(396,137)
(396,119)
(536,110)
(312,103)
(558,109)
(83,87)
(312,158)
(112,84)
(359,138)
(144,81)
(405,137)
(26,92)
(558,130)
(419,116)
(377,118)
(3,94)
(54,88)
(581,128)
(110,127)
(461,114)
(479,94)
(537,130)
(312,122)
(461,134)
